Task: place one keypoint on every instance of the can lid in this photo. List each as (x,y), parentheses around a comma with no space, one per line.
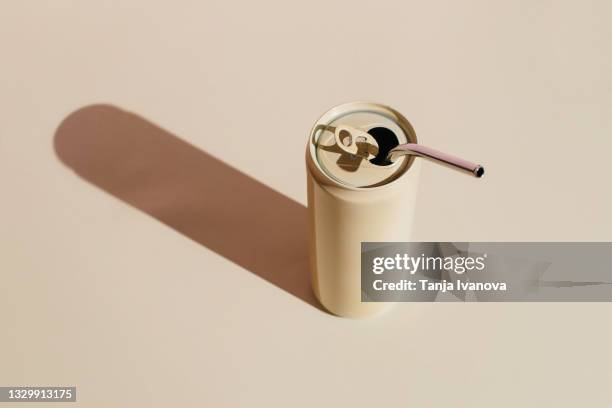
(387,126)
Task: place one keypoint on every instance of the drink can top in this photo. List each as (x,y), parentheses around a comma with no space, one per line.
(387,126)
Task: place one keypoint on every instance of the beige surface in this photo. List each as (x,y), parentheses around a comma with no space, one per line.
(99,293)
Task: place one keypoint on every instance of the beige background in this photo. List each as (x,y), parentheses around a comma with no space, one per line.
(96,292)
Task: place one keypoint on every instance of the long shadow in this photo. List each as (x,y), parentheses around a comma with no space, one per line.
(192,192)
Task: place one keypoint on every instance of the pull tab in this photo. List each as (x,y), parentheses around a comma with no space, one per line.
(355,141)
(413,149)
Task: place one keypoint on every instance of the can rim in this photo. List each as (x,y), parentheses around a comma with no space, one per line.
(401,121)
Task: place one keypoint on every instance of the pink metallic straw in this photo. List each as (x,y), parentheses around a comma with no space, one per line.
(413,149)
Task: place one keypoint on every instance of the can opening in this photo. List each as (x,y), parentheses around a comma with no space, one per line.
(386,140)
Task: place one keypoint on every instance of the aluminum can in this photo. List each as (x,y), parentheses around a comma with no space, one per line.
(353,199)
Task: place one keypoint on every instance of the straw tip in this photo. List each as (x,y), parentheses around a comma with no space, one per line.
(479,171)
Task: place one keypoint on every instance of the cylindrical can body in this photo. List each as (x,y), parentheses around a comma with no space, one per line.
(340,220)
(341,217)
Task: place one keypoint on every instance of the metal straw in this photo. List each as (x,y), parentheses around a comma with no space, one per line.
(413,149)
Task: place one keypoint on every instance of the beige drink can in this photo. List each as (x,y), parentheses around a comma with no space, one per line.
(356,196)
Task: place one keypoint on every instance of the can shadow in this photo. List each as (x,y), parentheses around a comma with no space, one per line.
(190,191)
